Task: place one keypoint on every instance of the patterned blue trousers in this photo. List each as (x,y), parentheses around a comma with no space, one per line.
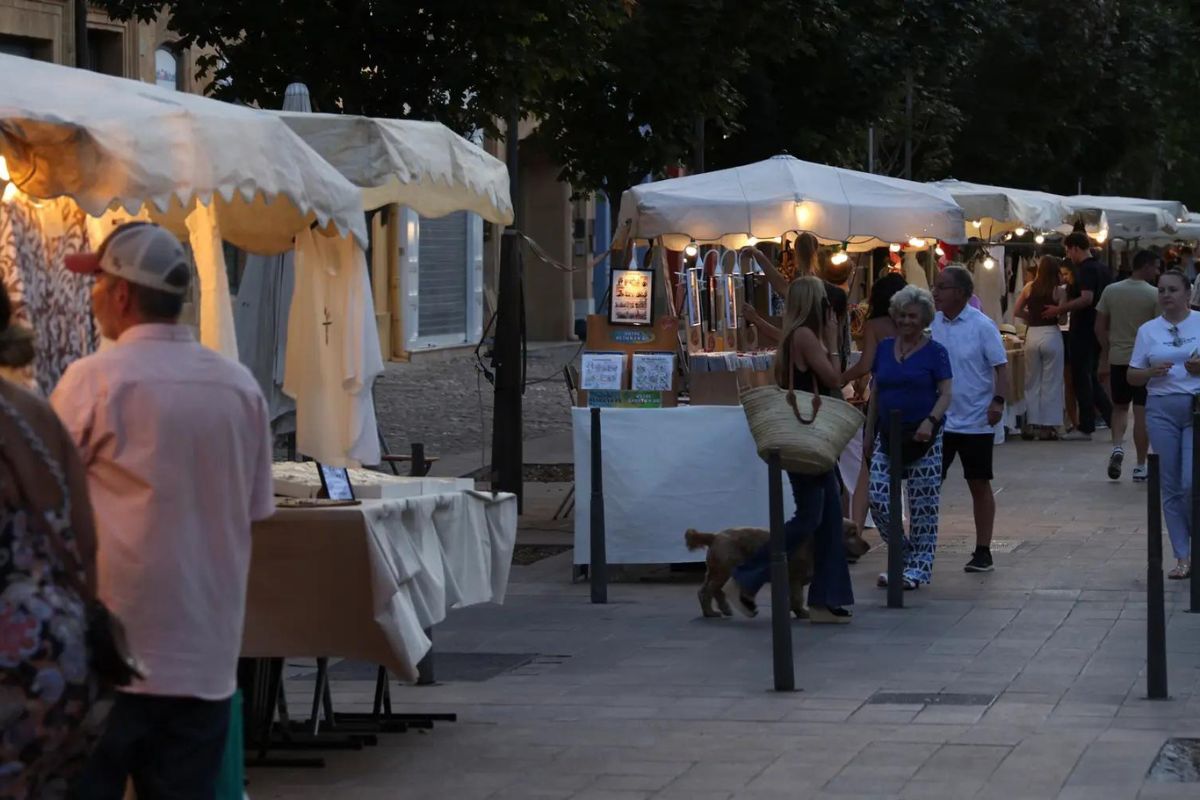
(923,480)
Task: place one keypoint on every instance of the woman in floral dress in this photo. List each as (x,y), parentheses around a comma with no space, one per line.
(47,561)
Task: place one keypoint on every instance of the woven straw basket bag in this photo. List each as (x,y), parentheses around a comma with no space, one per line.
(809,431)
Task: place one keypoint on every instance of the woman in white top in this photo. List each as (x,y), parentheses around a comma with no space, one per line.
(1166,360)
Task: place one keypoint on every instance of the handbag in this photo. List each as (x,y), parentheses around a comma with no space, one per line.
(808,445)
(108,647)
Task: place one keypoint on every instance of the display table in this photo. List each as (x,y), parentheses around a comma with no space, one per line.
(363,582)
(667,470)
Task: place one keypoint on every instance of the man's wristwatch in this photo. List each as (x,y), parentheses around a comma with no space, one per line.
(998,399)
(934,421)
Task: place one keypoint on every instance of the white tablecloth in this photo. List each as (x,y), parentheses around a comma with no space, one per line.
(667,470)
(365,581)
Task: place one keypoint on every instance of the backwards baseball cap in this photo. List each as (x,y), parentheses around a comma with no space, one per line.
(141,253)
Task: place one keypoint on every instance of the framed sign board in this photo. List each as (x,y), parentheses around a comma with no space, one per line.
(632,297)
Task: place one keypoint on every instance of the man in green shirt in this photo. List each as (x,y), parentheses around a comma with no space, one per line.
(1124,307)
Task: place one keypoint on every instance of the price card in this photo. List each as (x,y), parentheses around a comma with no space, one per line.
(653,372)
(602,371)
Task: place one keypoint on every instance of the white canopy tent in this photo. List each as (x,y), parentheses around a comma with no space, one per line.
(111,143)
(1129,218)
(422,165)
(770,198)
(994,210)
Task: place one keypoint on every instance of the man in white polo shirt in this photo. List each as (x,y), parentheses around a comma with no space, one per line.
(980,392)
(176,443)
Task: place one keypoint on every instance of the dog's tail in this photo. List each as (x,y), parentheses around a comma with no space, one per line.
(696,540)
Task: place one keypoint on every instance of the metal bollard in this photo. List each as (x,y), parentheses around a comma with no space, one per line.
(895,565)
(1194,581)
(418,467)
(598,564)
(781,605)
(1156,616)
(425,665)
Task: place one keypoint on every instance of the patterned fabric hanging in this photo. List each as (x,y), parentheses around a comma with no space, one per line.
(56,304)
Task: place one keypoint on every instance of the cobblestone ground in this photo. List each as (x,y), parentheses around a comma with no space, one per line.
(446,403)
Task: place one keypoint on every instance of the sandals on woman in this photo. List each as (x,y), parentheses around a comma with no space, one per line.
(1181,572)
(909,584)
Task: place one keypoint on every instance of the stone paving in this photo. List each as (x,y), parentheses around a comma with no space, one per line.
(643,698)
(444,402)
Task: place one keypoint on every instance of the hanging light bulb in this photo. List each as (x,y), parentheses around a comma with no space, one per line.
(840,257)
(803,215)
(4,176)
(895,248)
(1039,239)
(939,251)
(977,223)
(989,263)
(751,241)
(1100,236)
(1019,231)
(10,193)
(691,250)
(917,243)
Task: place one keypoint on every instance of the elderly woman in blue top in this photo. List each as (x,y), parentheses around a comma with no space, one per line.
(911,375)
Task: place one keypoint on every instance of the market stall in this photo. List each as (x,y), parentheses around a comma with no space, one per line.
(100,150)
(677,450)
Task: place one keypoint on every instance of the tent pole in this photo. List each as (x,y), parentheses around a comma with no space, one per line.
(507,439)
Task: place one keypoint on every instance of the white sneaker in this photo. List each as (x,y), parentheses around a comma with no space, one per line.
(1141,474)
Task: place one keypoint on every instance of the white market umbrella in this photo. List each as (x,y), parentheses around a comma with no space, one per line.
(422,165)
(770,198)
(109,142)
(993,210)
(1131,218)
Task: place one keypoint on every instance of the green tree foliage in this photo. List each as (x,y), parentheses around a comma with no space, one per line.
(1045,94)
(461,62)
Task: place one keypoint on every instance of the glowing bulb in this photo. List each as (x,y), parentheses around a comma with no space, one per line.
(978,223)
(895,248)
(4,176)
(10,193)
(939,251)
(1019,231)
(915,242)
(839,257)
(691,250)
(989,263)
(802,215)
(753,240)
(1100,236)
(1039,239)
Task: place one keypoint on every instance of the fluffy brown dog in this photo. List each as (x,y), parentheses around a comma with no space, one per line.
(732,546)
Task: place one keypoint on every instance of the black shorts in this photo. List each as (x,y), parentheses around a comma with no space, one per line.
(1122,393)
(975,451)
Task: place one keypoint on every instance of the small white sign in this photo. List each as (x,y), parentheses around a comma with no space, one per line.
(653,372)
(602,371)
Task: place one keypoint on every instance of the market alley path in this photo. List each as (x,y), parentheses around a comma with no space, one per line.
(1037,668)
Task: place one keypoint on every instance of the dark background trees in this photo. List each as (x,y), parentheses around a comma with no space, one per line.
(1047,94)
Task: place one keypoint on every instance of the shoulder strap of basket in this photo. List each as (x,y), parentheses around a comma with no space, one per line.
(791,379)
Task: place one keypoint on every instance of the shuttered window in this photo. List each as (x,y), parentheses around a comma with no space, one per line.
(442,292)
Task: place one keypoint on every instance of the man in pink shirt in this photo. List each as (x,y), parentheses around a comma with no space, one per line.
(176,443)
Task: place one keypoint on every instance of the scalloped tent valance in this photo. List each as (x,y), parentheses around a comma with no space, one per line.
(112,143)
